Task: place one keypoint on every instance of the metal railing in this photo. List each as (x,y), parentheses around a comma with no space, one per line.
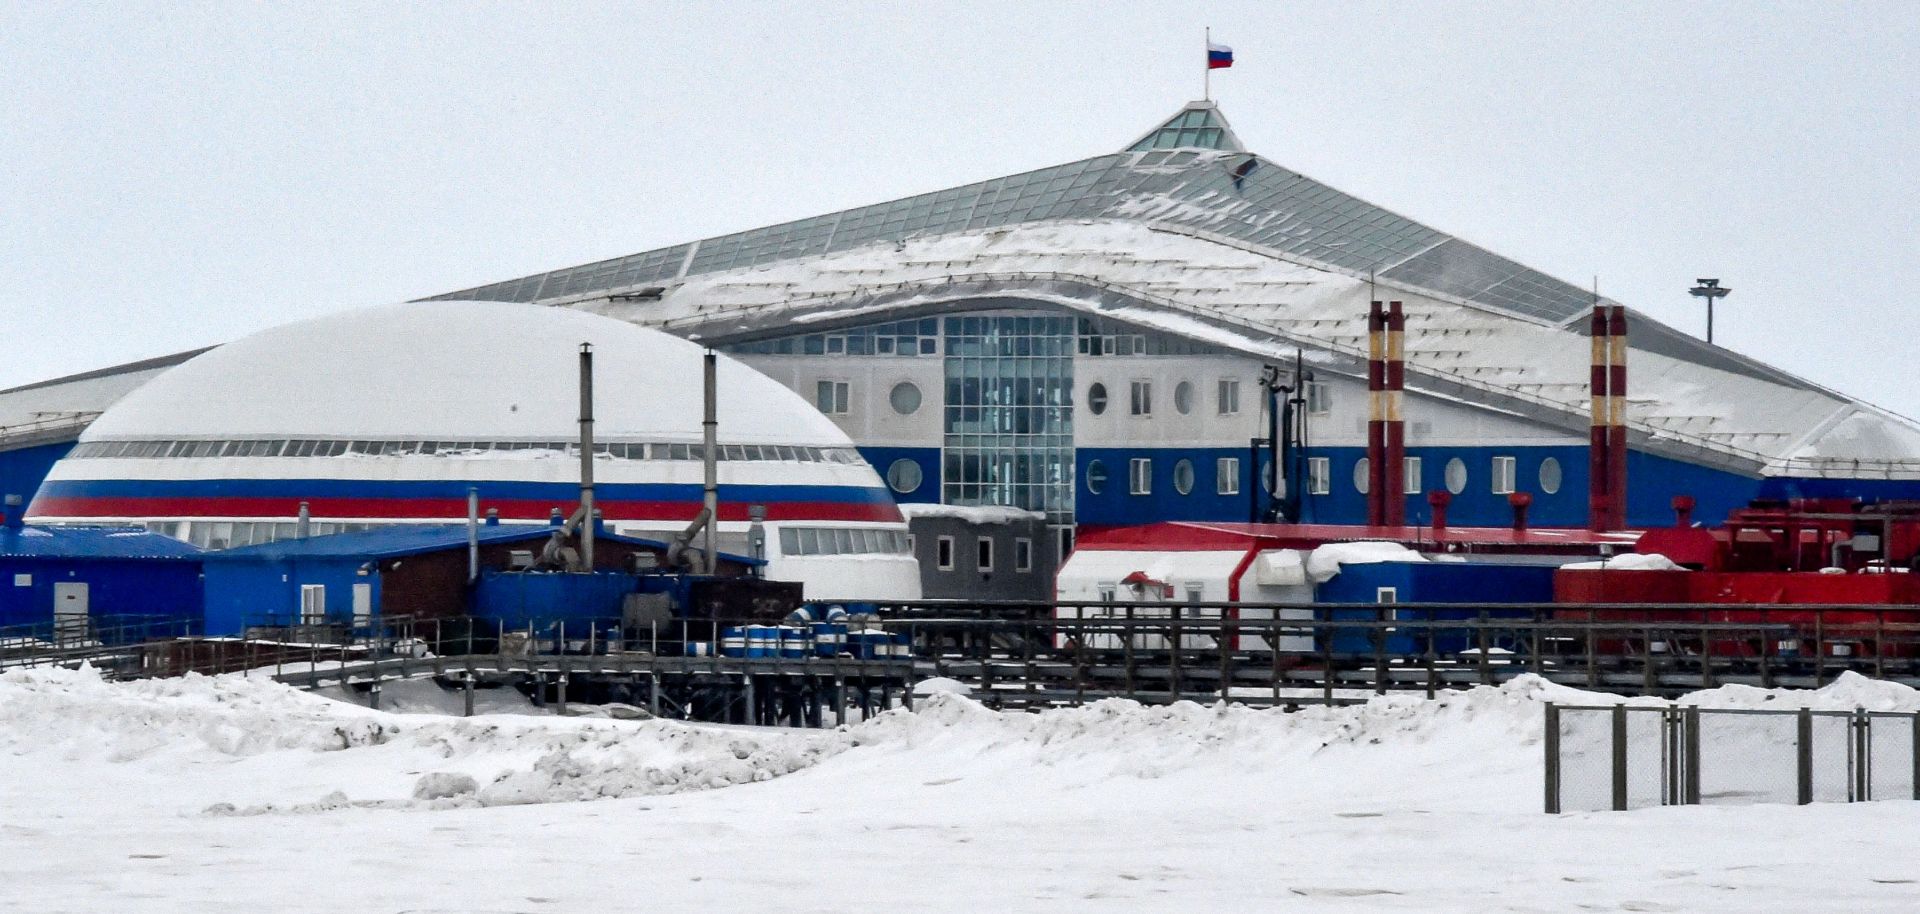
(1038,654)
(1620,757)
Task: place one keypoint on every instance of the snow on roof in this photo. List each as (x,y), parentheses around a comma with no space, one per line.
(58,409)
(973,514)
(459,370)
(92,543)
(1218,291)
(1272,249)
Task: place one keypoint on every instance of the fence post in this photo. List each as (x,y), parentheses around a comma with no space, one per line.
(1914,750)
(1803,755)
(468,689)
(1551,740)
(1691,795)
(1620,757)
(1862,756)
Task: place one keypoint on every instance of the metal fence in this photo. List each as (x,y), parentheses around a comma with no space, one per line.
(1618,757)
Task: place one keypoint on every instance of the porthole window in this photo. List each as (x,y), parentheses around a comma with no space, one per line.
(1183,477)
(905,398)
(1097,401)
(1362,475)
(1550,475)
(1183,397)
(1096,475)
(1456,476)
(904,475)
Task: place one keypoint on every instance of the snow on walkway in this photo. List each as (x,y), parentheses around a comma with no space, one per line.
(229,793)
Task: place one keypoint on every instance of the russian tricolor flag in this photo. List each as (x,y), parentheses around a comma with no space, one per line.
(1219,56)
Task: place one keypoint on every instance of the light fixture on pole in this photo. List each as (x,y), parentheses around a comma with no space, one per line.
(1709,289)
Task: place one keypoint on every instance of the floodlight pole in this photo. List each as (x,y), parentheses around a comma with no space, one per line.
(1709,289)
(1206,80)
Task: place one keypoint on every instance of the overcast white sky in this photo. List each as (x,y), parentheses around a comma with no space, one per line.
(175,175)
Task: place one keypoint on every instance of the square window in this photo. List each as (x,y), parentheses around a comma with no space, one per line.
(1022,554)
(1226,476)
(1141,403)
(1412,479)
(984,549)
(1319,475)
(945,556)
(1140,476)
(1503,473)
(831,397)
(1229,397)
(1319,398)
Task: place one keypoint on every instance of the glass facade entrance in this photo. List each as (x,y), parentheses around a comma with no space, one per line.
(1009,413)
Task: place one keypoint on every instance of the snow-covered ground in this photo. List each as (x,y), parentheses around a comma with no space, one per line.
(236,794)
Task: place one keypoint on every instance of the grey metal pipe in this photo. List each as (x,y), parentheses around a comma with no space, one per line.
(473,534)
(709,428)
(586,455)
(303,527)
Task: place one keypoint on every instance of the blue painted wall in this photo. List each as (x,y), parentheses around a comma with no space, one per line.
(1474,585)
(928,458)
(1652,483)
(22,470)
(240,592)
(132,587)
(518,598)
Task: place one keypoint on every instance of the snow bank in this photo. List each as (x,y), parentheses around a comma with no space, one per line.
(247,746)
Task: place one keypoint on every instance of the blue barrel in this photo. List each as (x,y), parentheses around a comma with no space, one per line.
(763,641)
(802,617)
(869,644)
(829,638)
(836,613)
(699,648)
(795,643)
(733,641)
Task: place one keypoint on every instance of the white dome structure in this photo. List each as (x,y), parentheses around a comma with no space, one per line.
(390,414)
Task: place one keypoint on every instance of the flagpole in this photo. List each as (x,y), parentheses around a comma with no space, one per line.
(1206,82)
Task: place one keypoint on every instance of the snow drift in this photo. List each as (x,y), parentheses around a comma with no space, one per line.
(239,745)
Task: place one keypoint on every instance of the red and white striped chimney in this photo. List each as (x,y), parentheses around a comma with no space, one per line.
(1376,413)
(1598,435)
(1617,415)
(1393,475)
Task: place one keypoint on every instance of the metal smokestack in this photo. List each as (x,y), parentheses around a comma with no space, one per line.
(709,427)
(1376,413)
(1393,473)
(1599,505)
(1617,415)
(586,455)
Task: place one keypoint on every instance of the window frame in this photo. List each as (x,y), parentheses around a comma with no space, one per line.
(1319,398)
(1504,474)
(1140,476)
(983,554)
(1226,398)
(839,392)
(1319,475)
(1226,476)
(943,553)
(1410,481)
(1140,398)
(1023,554)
